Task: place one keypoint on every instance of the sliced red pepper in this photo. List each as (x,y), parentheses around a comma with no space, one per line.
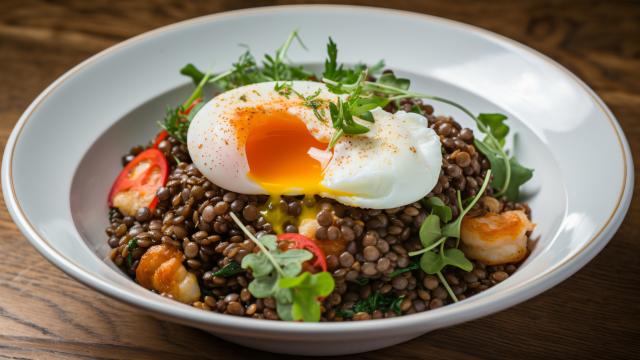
(139,181)
(298,241)
(161,136)
(193,104)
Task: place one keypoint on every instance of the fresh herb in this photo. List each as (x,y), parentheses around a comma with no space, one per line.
(438,207)
(452,229)
(177,120)
(518,174)
(277,274)
(375,301)
(342,74)
(312,101)
(414,265)
(131,245)
(246,71)
(306,288)
(362,281)
(432,237)
(492,125)
(232,268)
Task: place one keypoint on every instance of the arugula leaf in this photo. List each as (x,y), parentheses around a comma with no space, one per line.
(306,288)
(438,207)
(232,268)
(496,125)
(519,176)
(518,173)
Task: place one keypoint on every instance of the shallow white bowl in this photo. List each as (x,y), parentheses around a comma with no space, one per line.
(65,151)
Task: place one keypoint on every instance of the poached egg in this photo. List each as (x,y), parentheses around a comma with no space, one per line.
(259,139)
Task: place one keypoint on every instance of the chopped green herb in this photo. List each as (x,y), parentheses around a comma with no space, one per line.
(131,245)
(232,268)
(375,301)
(414,265)
(362,281)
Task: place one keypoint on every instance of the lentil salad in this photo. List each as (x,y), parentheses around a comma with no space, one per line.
(354,263)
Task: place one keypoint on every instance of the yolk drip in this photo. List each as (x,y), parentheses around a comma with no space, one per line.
(277,147)
(278,217)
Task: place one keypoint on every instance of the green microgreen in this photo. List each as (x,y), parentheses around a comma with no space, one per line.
(438,207)
(278,274)
(434,256)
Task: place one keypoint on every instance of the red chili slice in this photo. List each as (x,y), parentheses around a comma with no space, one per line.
(193,104)
(161,136)
(302,242)
(138,182)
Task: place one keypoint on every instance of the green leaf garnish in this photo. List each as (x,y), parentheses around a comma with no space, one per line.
(430,230)
(438,207)
(413,265)
(278,274)
(375,301)
(231,269)
(496,125)
(306,288)
(131,245)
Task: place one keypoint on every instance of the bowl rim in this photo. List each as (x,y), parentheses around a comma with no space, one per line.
(508,297)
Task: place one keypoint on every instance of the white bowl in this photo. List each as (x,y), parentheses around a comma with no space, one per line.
(65,151)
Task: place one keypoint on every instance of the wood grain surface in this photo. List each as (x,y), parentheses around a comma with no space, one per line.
(594,314)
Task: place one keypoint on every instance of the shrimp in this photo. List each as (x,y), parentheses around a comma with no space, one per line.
(495,239)
(161,269)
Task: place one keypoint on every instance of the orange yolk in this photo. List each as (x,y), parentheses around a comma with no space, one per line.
(277,146)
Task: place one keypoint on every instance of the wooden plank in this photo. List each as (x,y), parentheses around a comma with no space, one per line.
(594,314)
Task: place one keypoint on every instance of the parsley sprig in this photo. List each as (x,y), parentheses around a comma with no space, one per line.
(278,274)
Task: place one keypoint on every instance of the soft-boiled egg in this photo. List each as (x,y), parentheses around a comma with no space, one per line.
(256,139)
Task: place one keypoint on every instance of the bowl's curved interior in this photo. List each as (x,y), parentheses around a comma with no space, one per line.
(65,151)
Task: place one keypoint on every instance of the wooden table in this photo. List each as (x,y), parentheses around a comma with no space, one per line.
(594,314)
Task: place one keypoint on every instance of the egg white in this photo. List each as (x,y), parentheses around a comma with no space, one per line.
(397,162)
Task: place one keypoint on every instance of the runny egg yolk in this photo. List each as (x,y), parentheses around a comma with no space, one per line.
(277,149)
(277,146)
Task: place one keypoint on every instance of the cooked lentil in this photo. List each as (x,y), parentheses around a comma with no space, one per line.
(193,215)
